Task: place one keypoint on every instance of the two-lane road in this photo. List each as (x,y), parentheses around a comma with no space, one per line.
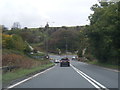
(57,77)
(78,75)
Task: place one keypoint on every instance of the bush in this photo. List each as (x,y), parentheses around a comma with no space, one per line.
(19,61)
(14,42)
(7,41)
(19,44)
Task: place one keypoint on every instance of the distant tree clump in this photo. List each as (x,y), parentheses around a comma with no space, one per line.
(16,25)
(61,38)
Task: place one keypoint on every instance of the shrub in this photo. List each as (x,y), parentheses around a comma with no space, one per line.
(19,44)
(14,42)
(19,61)
(7,41)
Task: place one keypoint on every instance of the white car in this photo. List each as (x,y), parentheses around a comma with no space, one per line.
(74,58)
(56,61)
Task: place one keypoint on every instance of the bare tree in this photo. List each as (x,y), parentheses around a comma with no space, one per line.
(16,25)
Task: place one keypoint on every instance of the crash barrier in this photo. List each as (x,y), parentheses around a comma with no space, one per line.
(8,68)
(38,57)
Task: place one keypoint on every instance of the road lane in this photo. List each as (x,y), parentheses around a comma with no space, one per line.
(90,80)
(107,77)
(58,77)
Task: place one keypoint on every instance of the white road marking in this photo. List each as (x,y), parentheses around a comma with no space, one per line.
(29,78)
(89,79)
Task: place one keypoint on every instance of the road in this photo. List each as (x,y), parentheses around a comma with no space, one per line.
(78,75)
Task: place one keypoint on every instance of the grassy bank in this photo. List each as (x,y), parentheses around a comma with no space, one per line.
(9,76)
(106,65)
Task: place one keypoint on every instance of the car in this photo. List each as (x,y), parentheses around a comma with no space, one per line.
(73,58)
(56,61)
(64,61)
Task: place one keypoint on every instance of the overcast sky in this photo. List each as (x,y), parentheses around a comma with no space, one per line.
(35,13)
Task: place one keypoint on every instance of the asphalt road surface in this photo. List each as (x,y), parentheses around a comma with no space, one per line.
(78,75)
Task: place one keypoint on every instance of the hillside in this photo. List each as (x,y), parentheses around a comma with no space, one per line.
(19,60)
(38,37)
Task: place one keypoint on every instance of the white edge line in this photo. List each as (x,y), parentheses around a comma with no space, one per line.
(29,78)
(81,73)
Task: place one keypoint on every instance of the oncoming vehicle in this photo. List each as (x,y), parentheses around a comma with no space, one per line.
(64,61)
(56,61)
(73,58)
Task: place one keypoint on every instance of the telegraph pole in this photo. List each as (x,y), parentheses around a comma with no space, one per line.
(46,39)
(66,46)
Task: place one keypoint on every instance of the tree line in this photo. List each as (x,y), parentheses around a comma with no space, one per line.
(102,35)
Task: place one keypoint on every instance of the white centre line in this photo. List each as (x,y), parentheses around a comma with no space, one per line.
(29,78)
(89,79)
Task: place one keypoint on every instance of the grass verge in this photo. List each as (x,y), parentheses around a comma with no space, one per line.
(106,65)
(8,77)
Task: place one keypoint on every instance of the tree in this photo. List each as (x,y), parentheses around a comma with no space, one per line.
(58,40)
(25,28)
(16,25)
(13,42)
(28,36)
(103,32)
(7,41)
(83,41)
(46,26)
